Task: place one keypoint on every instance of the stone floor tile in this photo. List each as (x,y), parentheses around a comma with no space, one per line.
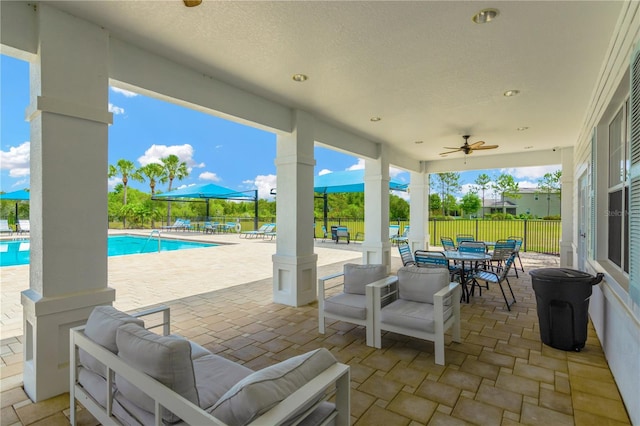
(439,392)
(477,412)
(480,368)
(536,416)
(588,371)
(401,373)
(380,387)
(413,407)
(507,400)
(376,416)
(57,419)
(603,407)
(518,384)
(484,341)
(380,362)
(515,351)
(440,419)
(461,380)
(555,401)
(8,416)
(583,418)
(13,396)
(498,359)
(33,412)
(534,372)
(360,402)
(604,389)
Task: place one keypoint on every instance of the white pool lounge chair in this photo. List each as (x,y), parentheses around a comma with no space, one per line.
(24,226)
(4,226)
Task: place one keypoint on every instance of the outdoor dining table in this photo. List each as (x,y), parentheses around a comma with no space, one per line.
(463,257)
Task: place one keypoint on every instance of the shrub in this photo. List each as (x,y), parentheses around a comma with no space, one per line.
(554,217)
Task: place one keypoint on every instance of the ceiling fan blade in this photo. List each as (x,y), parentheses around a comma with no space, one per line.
(451,147)
(476,144)
(450,152)
(487,147)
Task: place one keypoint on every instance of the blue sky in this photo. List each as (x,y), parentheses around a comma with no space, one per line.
(146,129)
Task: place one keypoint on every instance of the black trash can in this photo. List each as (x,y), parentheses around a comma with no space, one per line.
(562,296)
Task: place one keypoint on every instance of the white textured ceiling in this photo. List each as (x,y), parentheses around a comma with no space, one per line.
(425,68)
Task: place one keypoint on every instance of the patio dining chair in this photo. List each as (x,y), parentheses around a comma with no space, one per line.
(406,255)
(448,244)
(497,278)
(435,259)
(518,241)
(402,238)
(394,231)
(464,237)
(501,251)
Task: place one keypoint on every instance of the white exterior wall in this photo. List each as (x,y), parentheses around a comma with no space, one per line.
(419,212)
(614,315)
(376,248)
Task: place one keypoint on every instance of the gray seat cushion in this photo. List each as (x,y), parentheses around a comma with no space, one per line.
(215,375)
(409,314)
(347,305)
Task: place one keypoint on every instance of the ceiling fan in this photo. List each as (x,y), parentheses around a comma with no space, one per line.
(468,148)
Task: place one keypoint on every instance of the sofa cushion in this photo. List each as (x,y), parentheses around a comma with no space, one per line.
(420,284)
(101,328)
(215,375)
(258,393)
(356,277)
(407,314)
(165,358)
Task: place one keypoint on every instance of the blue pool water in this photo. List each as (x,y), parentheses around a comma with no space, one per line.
(16,252)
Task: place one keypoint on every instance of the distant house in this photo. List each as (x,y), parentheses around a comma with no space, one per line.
(531,202)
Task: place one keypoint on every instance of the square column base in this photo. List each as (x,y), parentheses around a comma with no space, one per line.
(419,244)
(46,338)
(294,279)
(377,253)
(566,254)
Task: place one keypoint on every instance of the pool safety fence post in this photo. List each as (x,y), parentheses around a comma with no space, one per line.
(255,212)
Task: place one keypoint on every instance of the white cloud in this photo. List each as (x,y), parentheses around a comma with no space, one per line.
(324,172)
(16,160)
(209,176)
(124,92)
(393,171)
(264,184)
(527,184)
(358,166)
(113,181)
(218,146)
(533,173)
(20,183)
(156,152)
(115,109)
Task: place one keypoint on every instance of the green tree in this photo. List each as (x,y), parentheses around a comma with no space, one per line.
(153,172)
(172,168)
(506,186)
(398,207)
(549,184)
(482,184)
(470,203)
(447,184)
(126,170)
(434,203)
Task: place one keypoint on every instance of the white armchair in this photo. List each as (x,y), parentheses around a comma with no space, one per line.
(350,302)
(418,302)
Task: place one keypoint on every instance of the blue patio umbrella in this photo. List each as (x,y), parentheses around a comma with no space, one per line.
(348,181)
(21,195)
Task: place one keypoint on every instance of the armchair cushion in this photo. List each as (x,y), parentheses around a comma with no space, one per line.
(101,328)
(165,358)
(408,314)
(347,305)
(258,393)
(420,284)
(356,277)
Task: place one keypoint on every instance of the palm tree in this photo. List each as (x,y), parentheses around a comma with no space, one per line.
(153,172)
(126,169)
(172,168)
(482,183)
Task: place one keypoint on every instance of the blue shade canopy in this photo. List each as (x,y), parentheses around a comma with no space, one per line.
(348,181)
(207,190)
(21,195)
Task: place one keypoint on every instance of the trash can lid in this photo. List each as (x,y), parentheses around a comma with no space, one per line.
(563,274)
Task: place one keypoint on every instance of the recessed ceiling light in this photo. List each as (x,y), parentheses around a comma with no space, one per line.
(300,77)
(522,129)
(528,147)
(485,16)
(510,93)
(374,119)
(418,142)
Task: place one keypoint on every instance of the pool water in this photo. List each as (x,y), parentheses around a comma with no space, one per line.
(16,252)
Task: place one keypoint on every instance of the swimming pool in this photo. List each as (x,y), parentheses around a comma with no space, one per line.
(16,252)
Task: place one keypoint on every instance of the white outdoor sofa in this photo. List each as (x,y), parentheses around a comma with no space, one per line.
(170,380)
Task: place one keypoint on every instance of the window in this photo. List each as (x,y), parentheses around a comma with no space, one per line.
(618,213)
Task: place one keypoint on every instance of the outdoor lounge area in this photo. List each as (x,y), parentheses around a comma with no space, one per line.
(500,373)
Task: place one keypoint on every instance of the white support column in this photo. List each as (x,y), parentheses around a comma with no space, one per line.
(69,135)
(419,211)
(376,248)
(295,263)
(567,247)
